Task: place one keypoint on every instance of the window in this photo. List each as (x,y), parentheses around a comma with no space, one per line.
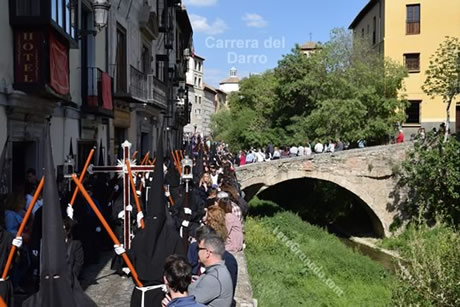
(199,82)
(145,59)
(362,33)
(412,62)
(196,81)
(413,19)
(121,69)
(413,112)
(374,31)
(160,70)
(61,15)
(196,99)
(199,100)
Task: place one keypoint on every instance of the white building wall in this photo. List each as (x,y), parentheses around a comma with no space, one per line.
(6,67)
(229,87)
(57,131)
(208,110)
(75,75)
(6,51)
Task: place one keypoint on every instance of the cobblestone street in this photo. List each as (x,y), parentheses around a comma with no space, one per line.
(105,287)
(110,290)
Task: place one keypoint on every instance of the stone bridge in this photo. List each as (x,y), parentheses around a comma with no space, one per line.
(368,173)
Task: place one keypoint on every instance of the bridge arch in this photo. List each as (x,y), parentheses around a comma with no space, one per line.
(367,173)
(363,195)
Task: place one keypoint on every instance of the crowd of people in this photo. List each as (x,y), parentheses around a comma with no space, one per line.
(183,254)
(271,152)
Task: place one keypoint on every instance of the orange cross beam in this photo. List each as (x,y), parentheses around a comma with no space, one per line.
(146,157)
(107,228)
(175,160)
(179,167)
(133,189)
(82,175)
(21,228)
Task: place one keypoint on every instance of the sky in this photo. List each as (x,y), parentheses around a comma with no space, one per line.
(253,35)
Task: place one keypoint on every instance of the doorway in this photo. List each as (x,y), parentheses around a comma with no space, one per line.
(23,157)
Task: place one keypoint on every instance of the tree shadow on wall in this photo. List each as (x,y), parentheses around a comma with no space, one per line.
(424,183)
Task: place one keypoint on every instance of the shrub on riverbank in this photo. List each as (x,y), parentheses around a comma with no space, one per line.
(430,277)
(292,263)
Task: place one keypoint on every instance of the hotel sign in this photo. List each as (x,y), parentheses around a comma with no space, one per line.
(27,63)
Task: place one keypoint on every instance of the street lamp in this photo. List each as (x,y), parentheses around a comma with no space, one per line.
(101,11)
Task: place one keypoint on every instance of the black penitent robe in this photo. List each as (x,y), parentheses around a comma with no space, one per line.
(149,258)
(195,203)
(58,287)
(155,242)
(117,226)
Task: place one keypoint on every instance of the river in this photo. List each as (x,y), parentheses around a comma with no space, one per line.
(388,261)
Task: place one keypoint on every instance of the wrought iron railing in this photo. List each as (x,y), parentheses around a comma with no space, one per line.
(156,91)
(138,84)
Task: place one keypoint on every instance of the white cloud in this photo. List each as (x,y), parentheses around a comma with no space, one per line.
(200,24)
(255,20)
(200,2)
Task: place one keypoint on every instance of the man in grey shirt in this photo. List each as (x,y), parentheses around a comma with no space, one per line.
(214,288)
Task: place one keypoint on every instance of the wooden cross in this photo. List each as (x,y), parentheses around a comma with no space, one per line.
(122,171)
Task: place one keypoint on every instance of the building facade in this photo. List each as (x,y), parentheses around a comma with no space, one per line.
(97,76)
(309,47)
(195,87)
(409,32)
(205,100)
(231,84)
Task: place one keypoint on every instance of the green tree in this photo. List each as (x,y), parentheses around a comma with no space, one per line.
(443,74)
(248,121)
(429,276)
(344,89)
(431,177)
(366,107)
(301,82)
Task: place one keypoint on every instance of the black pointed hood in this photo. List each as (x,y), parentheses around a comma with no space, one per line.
(172,177)
(158,239)
(101,154)
(57,285)
(188,149)
(156,196)
(71,149)
(198,169)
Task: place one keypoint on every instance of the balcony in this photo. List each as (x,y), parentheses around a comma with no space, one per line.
(156,92)
(137,84)
(149,23)
(97,92)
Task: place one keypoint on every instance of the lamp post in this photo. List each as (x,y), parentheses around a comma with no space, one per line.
(101,10)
